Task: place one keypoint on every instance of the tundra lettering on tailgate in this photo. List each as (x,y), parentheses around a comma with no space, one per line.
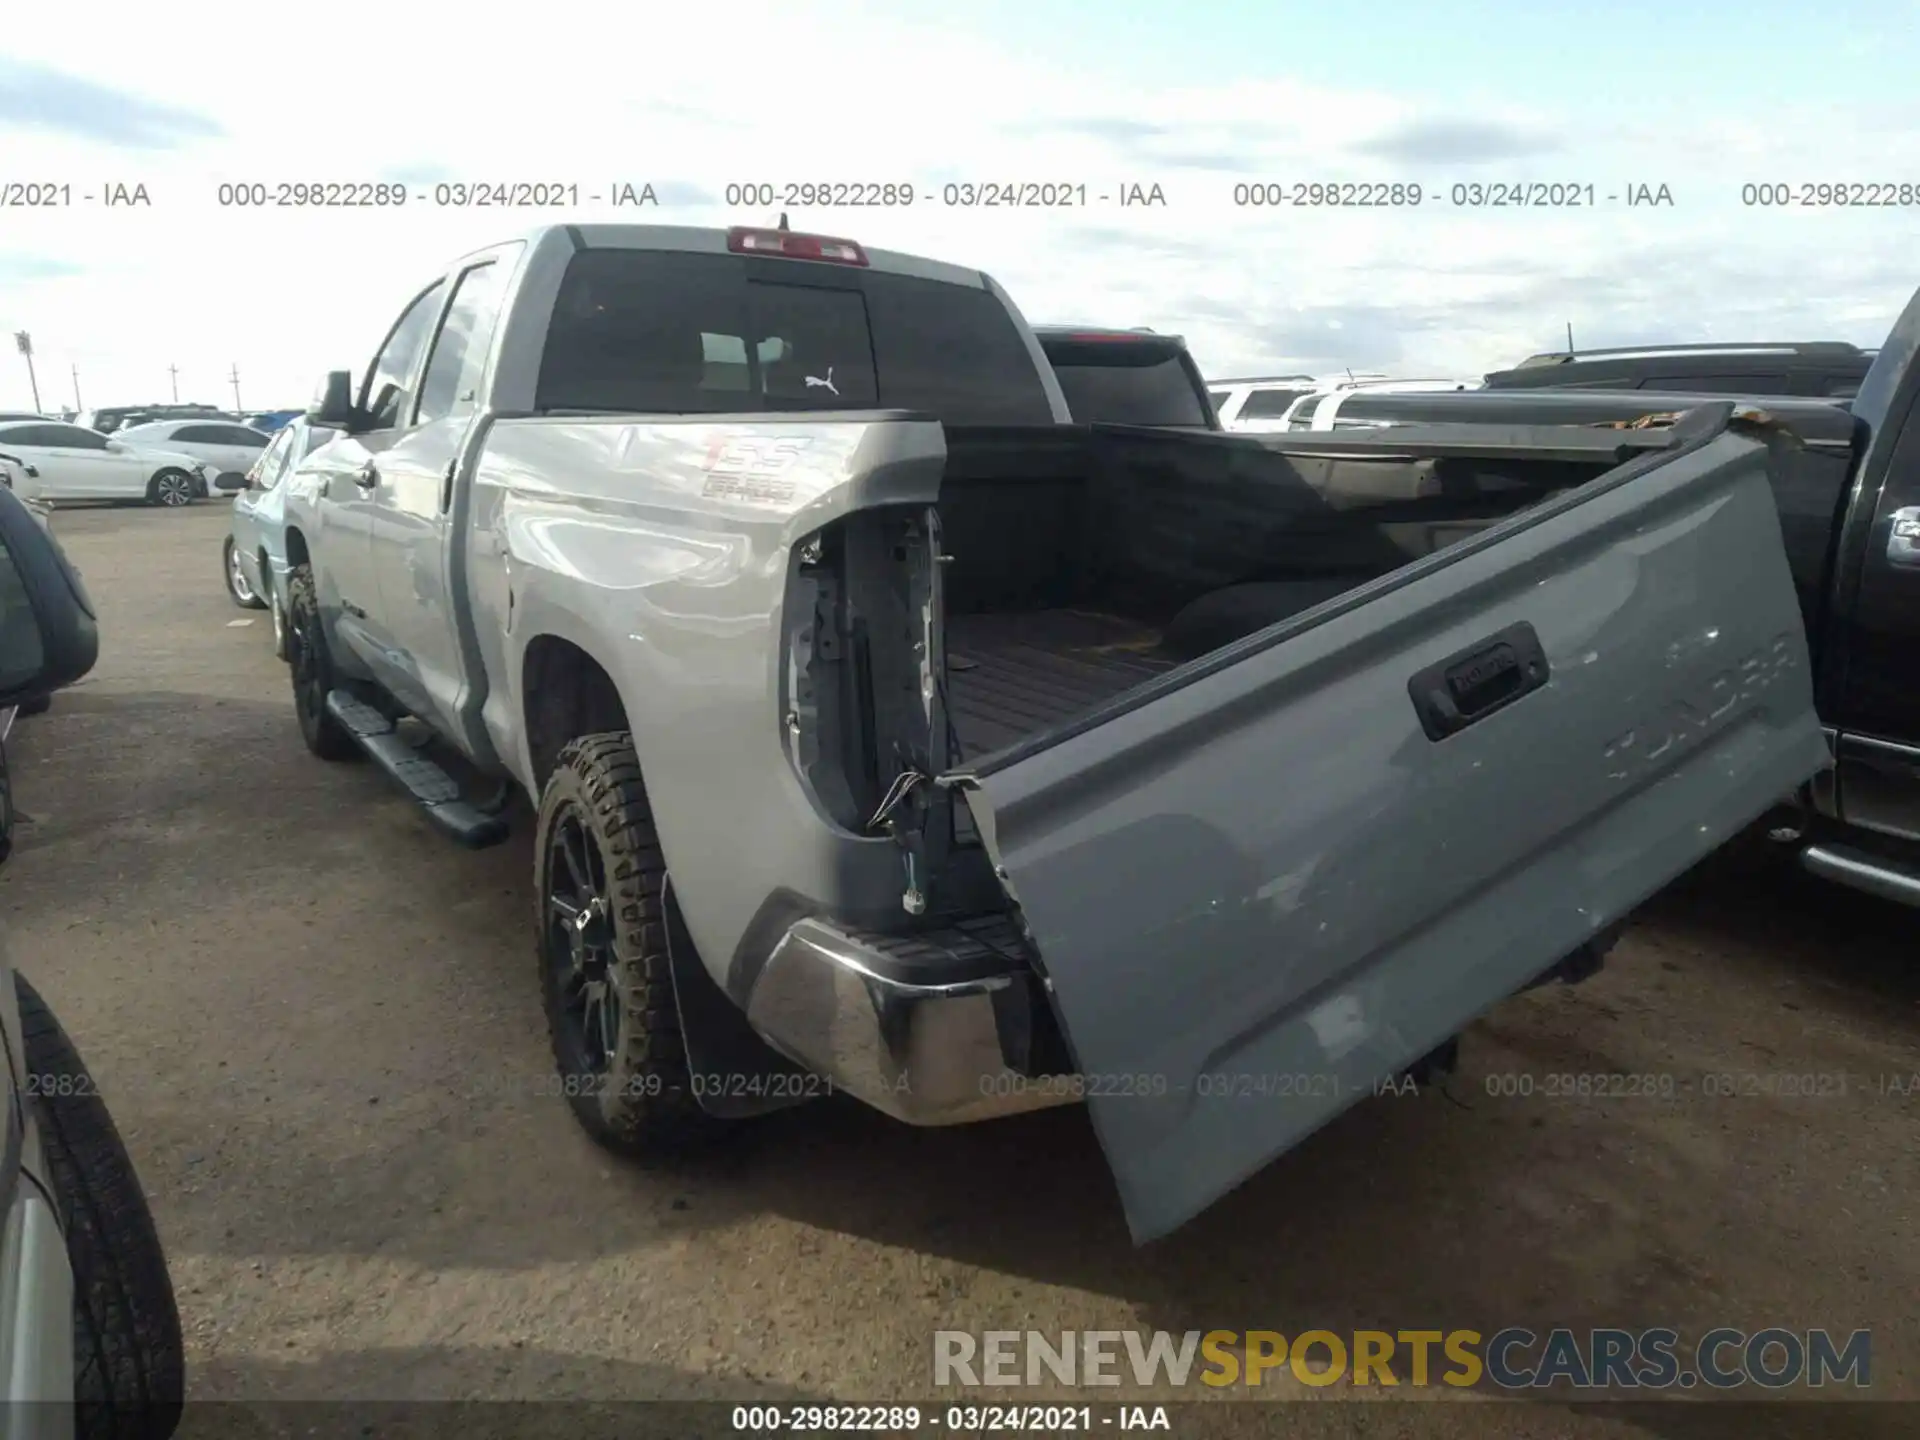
(1689,716)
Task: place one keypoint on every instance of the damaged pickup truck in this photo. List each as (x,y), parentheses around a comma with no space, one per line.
(887,733)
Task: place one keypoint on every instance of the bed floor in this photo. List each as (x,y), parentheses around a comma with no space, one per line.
(1009,676)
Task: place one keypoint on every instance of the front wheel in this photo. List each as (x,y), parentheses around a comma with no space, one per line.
(312,669)
(238,590)
(171,489)
(129,1363)
(601,921)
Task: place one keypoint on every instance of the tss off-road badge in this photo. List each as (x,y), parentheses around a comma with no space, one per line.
(754,468)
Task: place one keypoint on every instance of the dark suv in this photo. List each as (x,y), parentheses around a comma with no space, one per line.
(1829,369)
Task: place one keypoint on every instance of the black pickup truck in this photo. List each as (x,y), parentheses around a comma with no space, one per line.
(1847,486)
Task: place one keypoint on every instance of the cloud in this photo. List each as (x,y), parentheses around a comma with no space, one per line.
(683,193)
(1115,129)
(16,268)
(423,172)
(1438,289)
(1229,162)
(36,98)
(1443,141)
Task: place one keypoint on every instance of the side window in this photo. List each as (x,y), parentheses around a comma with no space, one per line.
(265,471)
(199,435)
(238,435)
(1217,398)
(459,359)
(1268,404)
(1718,384)
(385,394)
(28,437)
(73,438)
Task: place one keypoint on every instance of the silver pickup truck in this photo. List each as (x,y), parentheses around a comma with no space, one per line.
(889,733)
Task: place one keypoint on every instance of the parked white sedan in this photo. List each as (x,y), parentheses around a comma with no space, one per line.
(227,448)
(52,461)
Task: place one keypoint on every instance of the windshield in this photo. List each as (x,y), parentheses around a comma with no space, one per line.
(666,332)
(1114,383)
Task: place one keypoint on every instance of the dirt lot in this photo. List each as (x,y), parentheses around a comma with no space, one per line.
(318,1027)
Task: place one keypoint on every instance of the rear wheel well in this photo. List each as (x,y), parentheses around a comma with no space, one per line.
(565,694)
(296,548)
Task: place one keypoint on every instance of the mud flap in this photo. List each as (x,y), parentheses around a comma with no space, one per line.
(1276,877)
(736,1074)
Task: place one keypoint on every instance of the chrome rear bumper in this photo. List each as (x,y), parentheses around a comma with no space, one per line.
(933,1030)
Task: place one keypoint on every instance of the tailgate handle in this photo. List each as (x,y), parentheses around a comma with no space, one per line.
(1471,685)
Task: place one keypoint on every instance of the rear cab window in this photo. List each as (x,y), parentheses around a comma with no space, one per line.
(1763,384)
(1125,382)
(667,332)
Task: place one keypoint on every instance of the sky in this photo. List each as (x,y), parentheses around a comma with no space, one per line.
(1215,104)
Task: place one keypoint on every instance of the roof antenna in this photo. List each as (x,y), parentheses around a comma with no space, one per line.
(783,220)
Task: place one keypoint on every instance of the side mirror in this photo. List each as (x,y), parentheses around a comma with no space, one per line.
(116,447)
(333,401)
(48,634)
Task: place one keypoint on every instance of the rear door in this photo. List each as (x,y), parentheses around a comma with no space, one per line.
(1272,878)
(87,467)
(412,509)
(349,479)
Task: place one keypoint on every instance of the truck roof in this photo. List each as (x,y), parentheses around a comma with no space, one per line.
(1813,349)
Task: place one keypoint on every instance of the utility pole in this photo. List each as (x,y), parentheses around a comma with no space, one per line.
(173,374)
(24,343)
(233,378)
(77,406)
(1570,337)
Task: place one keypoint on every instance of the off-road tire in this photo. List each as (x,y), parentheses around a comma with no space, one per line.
(169,482)
(252,601)
(38,705)
(644,1103)
(128,1361)
(307,642)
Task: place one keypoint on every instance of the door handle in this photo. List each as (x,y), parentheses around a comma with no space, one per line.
(367,476)
(1466,687)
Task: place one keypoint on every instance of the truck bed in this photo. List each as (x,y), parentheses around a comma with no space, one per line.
(1010,676)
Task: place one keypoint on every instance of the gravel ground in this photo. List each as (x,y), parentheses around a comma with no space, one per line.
(318,1027)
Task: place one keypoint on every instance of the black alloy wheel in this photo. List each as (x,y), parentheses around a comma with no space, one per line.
(578,946)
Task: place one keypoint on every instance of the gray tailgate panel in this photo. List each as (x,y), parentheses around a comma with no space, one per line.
(1260,893)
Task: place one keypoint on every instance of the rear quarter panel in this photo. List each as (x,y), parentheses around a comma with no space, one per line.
(661,548)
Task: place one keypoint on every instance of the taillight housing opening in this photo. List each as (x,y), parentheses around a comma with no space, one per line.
(746,240)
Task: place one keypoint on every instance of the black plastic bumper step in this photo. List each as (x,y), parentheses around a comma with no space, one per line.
(432,788)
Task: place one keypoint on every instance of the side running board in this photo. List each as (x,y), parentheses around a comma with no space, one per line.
(432,788)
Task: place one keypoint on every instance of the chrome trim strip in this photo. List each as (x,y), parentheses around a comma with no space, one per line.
(1844,865)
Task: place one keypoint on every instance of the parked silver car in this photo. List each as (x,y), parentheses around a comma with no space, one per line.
(90,1342)
(254,556)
